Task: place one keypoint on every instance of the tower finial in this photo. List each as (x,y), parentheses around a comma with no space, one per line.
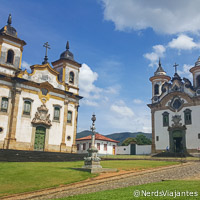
(9,19)
(67,46)
(159,64)
(47,46)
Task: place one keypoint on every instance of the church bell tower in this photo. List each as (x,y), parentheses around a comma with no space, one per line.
(158,80)
(11,48)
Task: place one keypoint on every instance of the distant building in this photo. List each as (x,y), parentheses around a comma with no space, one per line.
(38,110)
(103,144)
(175,111)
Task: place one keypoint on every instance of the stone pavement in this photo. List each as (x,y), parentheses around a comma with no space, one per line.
(181,171)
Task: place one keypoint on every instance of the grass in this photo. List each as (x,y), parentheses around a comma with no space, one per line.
(146,157)
(134,164)
(127,193)
(21,177)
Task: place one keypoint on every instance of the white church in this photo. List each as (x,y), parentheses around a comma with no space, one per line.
(175,111)
(38,110)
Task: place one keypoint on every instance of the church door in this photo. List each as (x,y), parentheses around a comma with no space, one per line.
(178,141)
(40,138)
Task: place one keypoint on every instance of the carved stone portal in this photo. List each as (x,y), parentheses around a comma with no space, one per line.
(42,116)
(176,119)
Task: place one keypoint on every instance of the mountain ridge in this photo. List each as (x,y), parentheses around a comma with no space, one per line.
(116,136)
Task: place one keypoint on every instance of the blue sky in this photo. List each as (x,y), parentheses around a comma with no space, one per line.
(118,43)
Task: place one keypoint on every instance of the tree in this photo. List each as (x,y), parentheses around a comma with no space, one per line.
(127,141)
(142,140)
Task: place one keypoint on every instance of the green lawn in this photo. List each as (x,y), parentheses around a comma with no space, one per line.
(17,177)
(167,187)
(147,157)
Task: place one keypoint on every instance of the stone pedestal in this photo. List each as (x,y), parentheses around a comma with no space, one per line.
(92,161)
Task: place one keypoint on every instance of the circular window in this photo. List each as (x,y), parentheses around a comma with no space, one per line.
(198,92)
(68,138)
(1,129)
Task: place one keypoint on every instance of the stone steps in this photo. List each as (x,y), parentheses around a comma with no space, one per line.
(8,155)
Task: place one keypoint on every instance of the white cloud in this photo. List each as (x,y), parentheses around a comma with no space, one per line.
(137,101)
(124,118)
(122,110)
(168,17)
(158,51)
(89,103)
(185,71)
(113,89)
(25,65)
(86,83)
(183,42)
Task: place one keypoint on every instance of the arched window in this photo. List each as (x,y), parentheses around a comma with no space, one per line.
(10,56)
(156,89)
(188,116)
(165,119)
(198,81)
(27,107)
(4,104)
(56,113)
(69,117)
(71,77)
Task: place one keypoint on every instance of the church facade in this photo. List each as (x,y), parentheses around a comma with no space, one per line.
(38,110)
(175,111)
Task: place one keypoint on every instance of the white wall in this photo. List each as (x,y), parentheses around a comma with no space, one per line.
(4,92)
(140,150)
(143,149)
(123,150)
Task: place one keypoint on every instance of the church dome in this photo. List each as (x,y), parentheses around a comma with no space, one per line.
(8,29)
(160,70)
(67,54)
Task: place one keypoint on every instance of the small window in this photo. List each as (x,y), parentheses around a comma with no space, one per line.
(77,147)
(90,145)
(44,91)
(98,146)
(4,104)
(10,56)
(188,116)
(165,119)
(27,108)
(1,129)
(56,113)
(68,138)
(156,89)
(198,135)
(71,77)
(105,147)
(157,138)
(69,117)
(84,146)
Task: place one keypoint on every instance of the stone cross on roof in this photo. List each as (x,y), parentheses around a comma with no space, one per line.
(175,66)
(47,46)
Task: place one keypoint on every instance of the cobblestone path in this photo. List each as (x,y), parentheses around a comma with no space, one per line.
(181,171)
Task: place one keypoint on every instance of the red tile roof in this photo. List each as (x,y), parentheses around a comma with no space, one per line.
(97,137)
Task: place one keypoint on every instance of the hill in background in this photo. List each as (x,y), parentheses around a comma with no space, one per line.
(116,136)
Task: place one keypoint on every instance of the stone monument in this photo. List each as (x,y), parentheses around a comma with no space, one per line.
(92,161)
